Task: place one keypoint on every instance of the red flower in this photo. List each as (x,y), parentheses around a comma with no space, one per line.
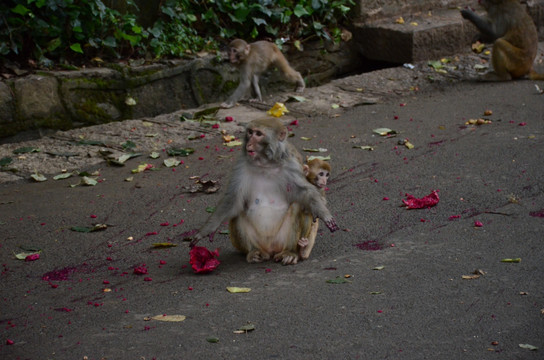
(228,118)
(203,260)
(425,202)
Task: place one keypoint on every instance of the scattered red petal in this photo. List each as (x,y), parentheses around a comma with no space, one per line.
(267,270)
(380,311)
(140,270)
(522,124)
(148,279)
(162,262)
(190,288)
(396,117)
(228,118)
(453,217)
(203,260)
(165,223)
(93,216)
(426,202)
(478,223)
(215,126)
(294,122)
(201,158)
(9,342)
(202,136)
(105,282)
(32,257)
(385,198)
(151,233)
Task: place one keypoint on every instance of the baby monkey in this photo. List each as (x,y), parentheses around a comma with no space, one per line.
(253,60)
(317,172)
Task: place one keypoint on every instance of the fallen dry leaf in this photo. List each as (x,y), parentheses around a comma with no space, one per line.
(169,318)
(234,289)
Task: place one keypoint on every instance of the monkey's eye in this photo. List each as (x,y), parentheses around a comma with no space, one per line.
(259,133)
(321,173)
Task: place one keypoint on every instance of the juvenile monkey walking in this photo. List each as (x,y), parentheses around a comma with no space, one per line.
(514,37)
(254,59)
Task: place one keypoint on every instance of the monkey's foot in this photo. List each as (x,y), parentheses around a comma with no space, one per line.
(331,224)
(300,89)
(303,242)
(256,256)
(286,258)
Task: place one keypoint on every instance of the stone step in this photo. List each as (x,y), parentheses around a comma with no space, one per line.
(421,37)
(424,35)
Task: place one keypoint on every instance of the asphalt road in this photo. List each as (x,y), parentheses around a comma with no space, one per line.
(405,295)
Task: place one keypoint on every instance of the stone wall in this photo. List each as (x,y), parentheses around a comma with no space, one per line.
(68,99)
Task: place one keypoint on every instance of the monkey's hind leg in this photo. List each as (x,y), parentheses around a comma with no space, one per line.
(241,232)
(509,62)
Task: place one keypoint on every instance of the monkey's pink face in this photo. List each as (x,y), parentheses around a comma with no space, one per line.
(254,145)
(234,56)
(321,178)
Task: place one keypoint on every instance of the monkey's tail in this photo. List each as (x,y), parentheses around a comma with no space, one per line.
(533,75)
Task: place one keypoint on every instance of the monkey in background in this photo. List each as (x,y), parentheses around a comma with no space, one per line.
(317,172)
(266,198)
(254,59)
(514,37)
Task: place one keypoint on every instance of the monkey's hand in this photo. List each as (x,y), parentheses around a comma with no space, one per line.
(331,224)
(199,236)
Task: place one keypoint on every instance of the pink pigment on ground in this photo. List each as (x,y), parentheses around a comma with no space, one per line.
(539,213)
(370,245)
(58,275)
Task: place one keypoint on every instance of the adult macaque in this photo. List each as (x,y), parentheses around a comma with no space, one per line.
(254,59)
(514,37)
(267,196)
(317,172)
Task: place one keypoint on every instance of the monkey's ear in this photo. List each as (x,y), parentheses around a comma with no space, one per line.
(247,49)
(305,169)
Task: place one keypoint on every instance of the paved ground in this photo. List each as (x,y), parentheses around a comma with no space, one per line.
(405,298)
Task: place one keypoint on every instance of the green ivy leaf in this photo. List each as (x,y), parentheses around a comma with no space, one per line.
(300,11)
(20,9)
(77,48)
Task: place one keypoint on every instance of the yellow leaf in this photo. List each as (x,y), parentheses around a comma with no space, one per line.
(233,143)
(400,20)
(277,110)
(164,245)
(234,289)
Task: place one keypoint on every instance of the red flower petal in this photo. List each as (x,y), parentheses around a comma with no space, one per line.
(140,270)
(228,118)
(425,202)
(32,257)
(203,260)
